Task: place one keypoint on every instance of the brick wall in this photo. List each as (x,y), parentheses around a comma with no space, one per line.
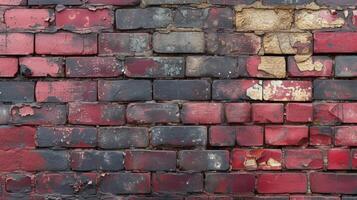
(178,99)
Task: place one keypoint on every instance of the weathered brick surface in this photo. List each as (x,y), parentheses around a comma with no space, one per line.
(178,99)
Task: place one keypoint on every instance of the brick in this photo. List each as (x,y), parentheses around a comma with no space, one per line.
(54,2)
(263,19)
(139,183)
(272,183)
(38,114)
(84,19)
(345,135)
(181,90)
(186,17)
(17,19)
(283,2)
(327,113)
(84,67)
(150,160)
(179,42)
(146,113)
(66,91)
(8,67)
(231,2)
(341,183)
(354,158)
(211,66)
(12,2)
(335,89)
(237,90)
(335,42)
(152,17)
(345,66)
(299,112)
(123,137)
(320,19)
(250,135)
(64,43)
(237,112)
(124,90)
(321,135)
(219,18)
(303,159)
(72,137)
(222,136)
(338,159)
(66,183)
(310,66)
(262,66)
(155,67)
(114,2)
(230,183)
(41,66)
(9,161)
(268,112)
(21,137)
(253,159)
(177,182)
(92,160)
(5,116)
(336,3)
(349,112)
(16,43)
(44,160)
(202,113)
(286,135)
(316,197)
(19,183)
(16,91)
(287,90)
(208,197)
(287,43)
(169,2)
(178,136)
(232,43)
(124,44)
(96,113)
(203,160)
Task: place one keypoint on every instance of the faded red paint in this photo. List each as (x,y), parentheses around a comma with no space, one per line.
(20,19)
(8,67)
(41,66)
(286,135)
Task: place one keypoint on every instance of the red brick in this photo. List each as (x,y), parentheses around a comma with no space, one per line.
(177,182)
(237,112)
(321,135)
(150,160)
(262,66)
(16,43)
(64,43)
(341,183)
(327,113)
(339,159)
(287,90)
(254,159)
(335,42)
(315,197)
(146,113)
(354,158)
(9,161)
(12,2)
(115,2)
(19,19)
(345,135)
(66,91)
(202,113)
(222,135)
(349,112)
(299,112)
(203,160)
(8,67)
(42,66)
(96,113)
(303,159)
(208,197)
(43,160)
(315,66)
(268,112)
(21,137)
(234,90)
(93,67)
(250,135)
(282,183)
(233,183)
(84,19)
(286,135)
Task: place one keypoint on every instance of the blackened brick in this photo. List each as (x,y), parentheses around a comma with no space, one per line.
(336,3)
(177,182)
(19,183)
(203,160)
(11,91)
(189,17)
(124,90)
(123,137)
(179,42)
(211,66)
(345,66)
(92,160)
(219,18)
(236,90)
(44,160)
(335,89)
(146,113)
(135,183)
(150,160)
(161,2)
(222,135)
(284,2)
(53,2)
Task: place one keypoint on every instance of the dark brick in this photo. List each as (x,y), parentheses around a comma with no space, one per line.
(72,137)
(321,135)
(231,2)
(219,18)
(135,183)
(11,91)
(155,67)
(54,2)
(235,90)
(337,3)
(211,66)
(44,160)
(178,136)
(123,137)
(222,135)
(115,2)
(18,183)
(179,42)
(124,90)
(147,113)
(152,17)
(341,183)
(203,160)
(234,183)
(182,90)
(41,66)
(335,89)
(93,160)
(177,182)
(284,2)
(345,66)
(160,2)
(150,160)
(189,17)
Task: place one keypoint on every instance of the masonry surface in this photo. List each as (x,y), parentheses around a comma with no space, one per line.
(178,99)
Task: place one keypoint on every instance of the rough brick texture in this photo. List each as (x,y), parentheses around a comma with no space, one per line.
(178,99)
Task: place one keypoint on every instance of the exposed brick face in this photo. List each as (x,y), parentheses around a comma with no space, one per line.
(178,99)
